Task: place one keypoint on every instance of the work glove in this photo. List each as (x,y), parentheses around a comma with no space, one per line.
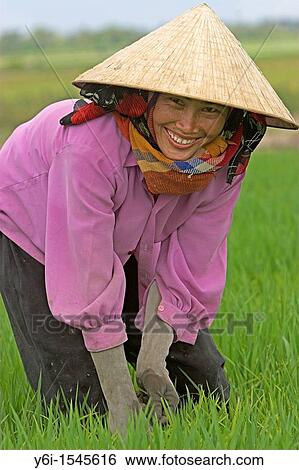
(117,386)
(151,372)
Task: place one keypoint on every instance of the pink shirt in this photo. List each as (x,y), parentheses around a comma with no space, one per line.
(74,198)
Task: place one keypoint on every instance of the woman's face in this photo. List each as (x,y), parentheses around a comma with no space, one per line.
(183,125)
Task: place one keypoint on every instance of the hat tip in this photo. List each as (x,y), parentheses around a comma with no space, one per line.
(204,6)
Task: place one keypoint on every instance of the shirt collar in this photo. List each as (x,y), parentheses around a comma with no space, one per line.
(130,160)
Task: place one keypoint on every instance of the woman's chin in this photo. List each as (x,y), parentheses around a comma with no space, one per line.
(175,154)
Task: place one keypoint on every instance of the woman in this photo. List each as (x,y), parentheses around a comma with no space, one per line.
(121,207)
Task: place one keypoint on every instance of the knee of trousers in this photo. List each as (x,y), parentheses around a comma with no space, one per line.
(198,367)
(80,388)
(214,383)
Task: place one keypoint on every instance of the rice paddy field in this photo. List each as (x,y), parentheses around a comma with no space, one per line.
(257,324)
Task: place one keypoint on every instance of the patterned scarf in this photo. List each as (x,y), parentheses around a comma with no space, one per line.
(132,110)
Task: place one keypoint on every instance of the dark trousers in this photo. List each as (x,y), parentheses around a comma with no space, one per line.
(56,351)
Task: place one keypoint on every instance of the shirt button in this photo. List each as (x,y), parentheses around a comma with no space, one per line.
(161,308)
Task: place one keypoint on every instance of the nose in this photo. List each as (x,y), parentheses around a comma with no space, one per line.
(189,122)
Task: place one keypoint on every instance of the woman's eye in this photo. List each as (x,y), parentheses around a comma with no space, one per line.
(177,101)
(211,109)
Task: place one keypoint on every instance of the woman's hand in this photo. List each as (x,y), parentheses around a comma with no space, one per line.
(159,387)
(122,406)
(152,375)
(117,386)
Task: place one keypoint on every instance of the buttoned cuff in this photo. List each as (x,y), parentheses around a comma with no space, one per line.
(185,325)
(108,336)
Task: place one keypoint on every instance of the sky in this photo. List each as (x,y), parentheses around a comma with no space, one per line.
(72,15)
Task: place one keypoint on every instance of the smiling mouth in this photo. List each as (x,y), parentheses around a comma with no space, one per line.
(179,141)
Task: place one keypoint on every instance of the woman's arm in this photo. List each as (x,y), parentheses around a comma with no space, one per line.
(85,280)
(151,371)
(112,369)
(186,291)
(191,269)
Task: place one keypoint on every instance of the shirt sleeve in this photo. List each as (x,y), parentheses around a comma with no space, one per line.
(191,269)
(85,280)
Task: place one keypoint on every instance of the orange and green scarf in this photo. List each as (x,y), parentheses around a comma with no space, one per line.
(132,110)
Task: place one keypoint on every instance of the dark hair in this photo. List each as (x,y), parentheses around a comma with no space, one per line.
(234,119)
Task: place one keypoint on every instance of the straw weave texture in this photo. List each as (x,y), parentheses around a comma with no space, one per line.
(195,56)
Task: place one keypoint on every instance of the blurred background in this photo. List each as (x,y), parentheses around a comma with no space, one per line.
(45,45)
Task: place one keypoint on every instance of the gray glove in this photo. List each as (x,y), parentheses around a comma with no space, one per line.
(116,383)
(151,371)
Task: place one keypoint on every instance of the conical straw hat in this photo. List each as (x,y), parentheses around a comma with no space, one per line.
(196,56)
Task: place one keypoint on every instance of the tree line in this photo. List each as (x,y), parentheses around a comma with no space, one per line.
(115,37)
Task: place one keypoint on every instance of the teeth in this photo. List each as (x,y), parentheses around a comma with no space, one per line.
(179,140)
